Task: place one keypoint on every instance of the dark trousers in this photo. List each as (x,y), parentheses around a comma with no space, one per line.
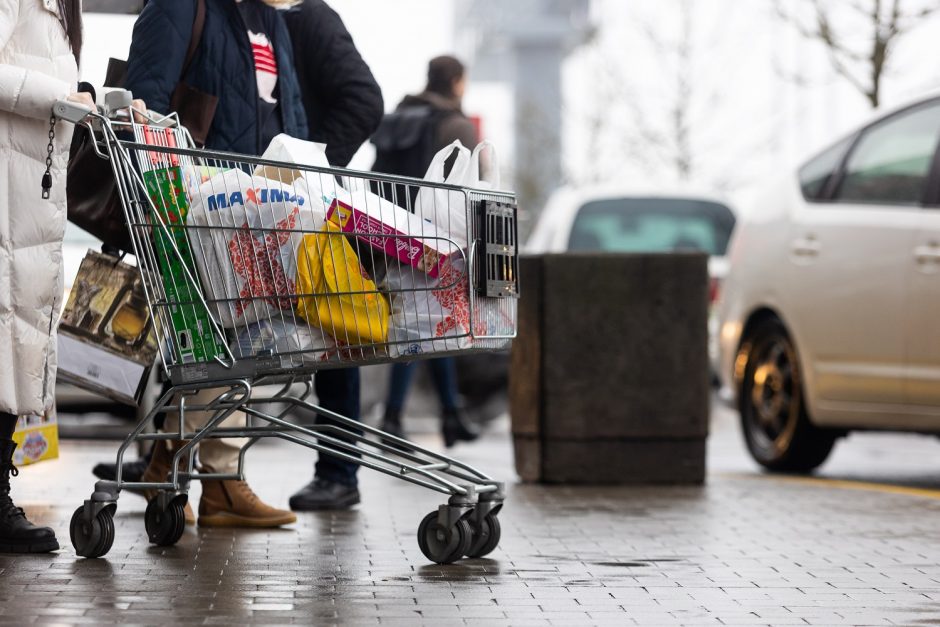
(443,373)
(337,391)
(7,426)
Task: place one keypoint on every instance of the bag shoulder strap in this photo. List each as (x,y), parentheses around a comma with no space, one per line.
(195,38)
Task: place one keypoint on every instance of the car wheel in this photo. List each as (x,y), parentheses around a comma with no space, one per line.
(774,419)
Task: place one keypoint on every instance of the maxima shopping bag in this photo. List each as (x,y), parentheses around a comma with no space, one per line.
(247,251)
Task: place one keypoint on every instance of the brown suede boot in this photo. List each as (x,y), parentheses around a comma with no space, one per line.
(232,503)
(159,469)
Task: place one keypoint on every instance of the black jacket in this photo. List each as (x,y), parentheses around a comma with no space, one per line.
(343,101)
(223,66)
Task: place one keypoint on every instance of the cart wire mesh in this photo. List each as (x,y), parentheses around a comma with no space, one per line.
(253,266)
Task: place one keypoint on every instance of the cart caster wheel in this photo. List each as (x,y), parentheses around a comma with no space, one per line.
(92,538)
(165,527)
(440,544)
(485,536)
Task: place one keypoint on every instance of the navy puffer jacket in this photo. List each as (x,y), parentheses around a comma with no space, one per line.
(223,66)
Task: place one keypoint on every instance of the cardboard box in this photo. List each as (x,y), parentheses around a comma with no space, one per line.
(398,233)
(37,439)
(106,342)
(196,341)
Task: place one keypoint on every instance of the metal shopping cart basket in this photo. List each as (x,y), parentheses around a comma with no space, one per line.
(259,273)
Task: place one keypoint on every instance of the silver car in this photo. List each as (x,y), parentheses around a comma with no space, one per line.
(830,315)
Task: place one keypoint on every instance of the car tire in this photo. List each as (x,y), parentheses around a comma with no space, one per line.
(774,419)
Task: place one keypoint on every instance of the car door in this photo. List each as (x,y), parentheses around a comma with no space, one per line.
(850,260)
(923,382)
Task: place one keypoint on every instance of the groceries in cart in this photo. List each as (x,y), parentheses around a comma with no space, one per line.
(294,245)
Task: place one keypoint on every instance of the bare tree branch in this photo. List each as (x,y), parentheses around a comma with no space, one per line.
(886,30)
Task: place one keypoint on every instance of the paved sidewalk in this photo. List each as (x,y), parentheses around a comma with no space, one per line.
(745,550)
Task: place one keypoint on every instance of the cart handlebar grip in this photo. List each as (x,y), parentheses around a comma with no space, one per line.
(71,111)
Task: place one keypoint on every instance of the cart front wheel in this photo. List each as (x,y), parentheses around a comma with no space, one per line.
(444,545)
(165,526)
(92,538)
(486,535)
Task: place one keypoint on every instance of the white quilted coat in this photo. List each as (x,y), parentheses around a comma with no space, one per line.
(36,69)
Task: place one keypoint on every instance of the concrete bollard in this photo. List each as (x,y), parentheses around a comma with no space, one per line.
(610,378)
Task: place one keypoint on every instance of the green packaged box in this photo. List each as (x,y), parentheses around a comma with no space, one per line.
(196,342)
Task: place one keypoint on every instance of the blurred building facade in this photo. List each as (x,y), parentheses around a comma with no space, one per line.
(524,44)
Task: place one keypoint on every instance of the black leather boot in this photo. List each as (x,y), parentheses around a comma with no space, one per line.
(17,534)
(391,423)
(456,427)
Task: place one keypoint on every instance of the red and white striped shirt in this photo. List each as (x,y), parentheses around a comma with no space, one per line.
(265,65)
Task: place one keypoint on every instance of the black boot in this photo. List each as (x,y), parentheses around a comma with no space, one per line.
(457,428)
(323,494)
(17,534)
(130,471)
(391,423)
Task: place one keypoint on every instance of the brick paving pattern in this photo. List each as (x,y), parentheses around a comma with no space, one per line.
(744,550)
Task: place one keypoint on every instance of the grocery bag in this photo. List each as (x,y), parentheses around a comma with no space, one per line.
(446,208)
(429,315)
(283,334)
(483,169)
(337,294)
(287,149)
(248,270)
(106,343)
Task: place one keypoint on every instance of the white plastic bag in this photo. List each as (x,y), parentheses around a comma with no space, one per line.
(424,319)
(289,149)
(483,169)
(284,334)
(252,271)
(446,208)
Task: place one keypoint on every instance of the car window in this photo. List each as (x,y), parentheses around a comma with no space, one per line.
(815,175)
(636,225)
(891,161)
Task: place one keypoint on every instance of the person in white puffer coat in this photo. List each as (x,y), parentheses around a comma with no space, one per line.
(40,41)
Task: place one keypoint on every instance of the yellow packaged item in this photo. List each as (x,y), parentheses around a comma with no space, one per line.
(337,294)
(37,439)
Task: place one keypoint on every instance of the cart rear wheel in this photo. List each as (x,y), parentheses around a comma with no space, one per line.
(485,536)
(92,538)
(165,527)
(444,545)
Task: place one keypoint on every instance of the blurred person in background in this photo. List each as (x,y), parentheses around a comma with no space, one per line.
(344,106)
(406,143)
(40,44)
(244,59)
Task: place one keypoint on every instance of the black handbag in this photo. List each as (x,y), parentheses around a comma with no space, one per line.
(93,201)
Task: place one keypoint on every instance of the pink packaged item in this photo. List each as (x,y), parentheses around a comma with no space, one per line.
(416,242)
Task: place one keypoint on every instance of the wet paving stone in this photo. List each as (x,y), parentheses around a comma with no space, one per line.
(738,551)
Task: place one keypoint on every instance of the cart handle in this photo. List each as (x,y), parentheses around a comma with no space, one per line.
(71,111)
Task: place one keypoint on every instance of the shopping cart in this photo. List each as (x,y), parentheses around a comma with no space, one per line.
(254,282)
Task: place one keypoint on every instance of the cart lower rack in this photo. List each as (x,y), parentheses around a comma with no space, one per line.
(260,273)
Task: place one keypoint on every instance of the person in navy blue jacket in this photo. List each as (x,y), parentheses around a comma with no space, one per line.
(244,58)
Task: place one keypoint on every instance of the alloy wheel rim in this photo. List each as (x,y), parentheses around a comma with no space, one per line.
(774,390)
